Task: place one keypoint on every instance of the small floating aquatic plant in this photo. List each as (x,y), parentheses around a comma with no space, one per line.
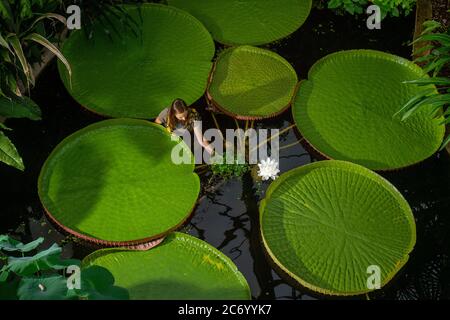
(226,170)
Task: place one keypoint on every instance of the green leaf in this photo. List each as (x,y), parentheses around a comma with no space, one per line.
(25,9)
(182,267)
(437,65)
(50,16)
(414,100)
(48,287)
(252,83)
(56,263)
(430,26)
(27,266)
(148,65)
(97,283)
(4,43)
(9,154)
(5,11)
(119,191)
(434,100)
(4,274)
(346,110)
(438,81)
(17,48)
(445,143)
(423,49)
(441,38)
(263,21)
(44,42)
(326,223)
(9,244)
(8,290)
(425,58)
(19,107)
(3,127)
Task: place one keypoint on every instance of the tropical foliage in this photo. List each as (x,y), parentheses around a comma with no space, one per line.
(388,7)
(41,276)
(26,27)
(436,61)
(119,182)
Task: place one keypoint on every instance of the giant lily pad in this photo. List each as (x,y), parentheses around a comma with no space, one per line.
(248,21)
(136,76)
(328,223)
(346,111)
(114,182)
(252,83)
(181,268)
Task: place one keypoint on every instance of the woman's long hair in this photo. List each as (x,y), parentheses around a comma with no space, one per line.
(178,106)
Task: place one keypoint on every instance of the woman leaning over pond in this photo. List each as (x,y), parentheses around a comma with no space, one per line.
(180,116)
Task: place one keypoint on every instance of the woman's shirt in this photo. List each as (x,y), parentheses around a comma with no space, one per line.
(188,125)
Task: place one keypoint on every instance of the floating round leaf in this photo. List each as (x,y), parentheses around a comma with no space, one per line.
(252,83)
(346,111)
(181,268)
(114,182)
(328,223)
(248,21)
(137,75)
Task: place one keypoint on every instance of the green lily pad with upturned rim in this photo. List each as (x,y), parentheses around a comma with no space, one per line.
(136,76)
(327,224)
(181,268)
(114,183)
(255,22)
(346,110)
(251,83)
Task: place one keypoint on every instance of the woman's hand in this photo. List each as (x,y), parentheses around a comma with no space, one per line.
(208,148)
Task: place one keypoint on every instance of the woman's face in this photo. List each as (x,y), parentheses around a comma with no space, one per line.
(181,116)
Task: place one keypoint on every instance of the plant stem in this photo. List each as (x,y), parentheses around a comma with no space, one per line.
(201,166)
(291,144)
(273,137)
(237,127)
(216,123)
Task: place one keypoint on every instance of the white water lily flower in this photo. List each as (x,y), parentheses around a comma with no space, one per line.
(268,169)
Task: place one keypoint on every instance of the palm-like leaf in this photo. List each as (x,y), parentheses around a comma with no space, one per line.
(18,50)
(47,44)
(437,60)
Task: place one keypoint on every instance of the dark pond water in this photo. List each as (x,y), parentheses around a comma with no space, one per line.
(228,218)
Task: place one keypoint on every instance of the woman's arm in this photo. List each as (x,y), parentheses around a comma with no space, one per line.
(201,140)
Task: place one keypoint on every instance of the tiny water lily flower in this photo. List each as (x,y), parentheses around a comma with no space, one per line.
(268,169)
